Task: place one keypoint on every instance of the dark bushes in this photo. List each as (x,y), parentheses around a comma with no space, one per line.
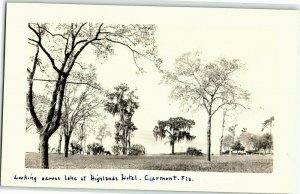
(194,151)
(137,150)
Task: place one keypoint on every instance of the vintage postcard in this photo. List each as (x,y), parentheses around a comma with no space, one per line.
(150,98)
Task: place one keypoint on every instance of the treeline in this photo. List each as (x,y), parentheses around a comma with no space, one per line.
(248,143)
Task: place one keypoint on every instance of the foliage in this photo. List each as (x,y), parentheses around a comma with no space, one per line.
(102,133)
(227,142)
(255,143)
(122,102)
(75,148)
(95,148)
(209,85)
(117,149)
(268,123)
(248,140)
(194,151)
(232,131)
(137,150)
(40,103)
(176,129)
(80,106)
(237,146)
(60,46)
(266,142)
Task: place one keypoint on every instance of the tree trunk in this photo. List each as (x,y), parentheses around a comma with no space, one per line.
(221,145)
(172,145)
(67,142)
(223,128)
(44,151)
(129,143)
(208,137)
(124,151)
(59,144)
(81,144)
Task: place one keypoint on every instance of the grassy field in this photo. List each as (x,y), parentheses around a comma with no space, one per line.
(248,164)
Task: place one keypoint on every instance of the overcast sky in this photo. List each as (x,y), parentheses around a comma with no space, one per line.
(254,37)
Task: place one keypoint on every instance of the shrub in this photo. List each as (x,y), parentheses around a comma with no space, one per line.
(75,148)
(194,151)
(226,152)
(116,149)
(95,148)
(137,150)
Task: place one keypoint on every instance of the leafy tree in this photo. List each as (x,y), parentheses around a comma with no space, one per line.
(102,133)
(227,142)
(245,139)
(62,45)
(266,142)
(237,146)
(232,131)
(253,142)
(197,83)
(122,102)
(256,140)
(137,150)
(80,106)
(268,123)
(226,110)
(175,129)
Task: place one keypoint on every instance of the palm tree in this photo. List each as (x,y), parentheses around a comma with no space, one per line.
(176,129)
(268,123)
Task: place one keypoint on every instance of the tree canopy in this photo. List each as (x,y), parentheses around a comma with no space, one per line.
(175,129)
(210,85)
(61,46)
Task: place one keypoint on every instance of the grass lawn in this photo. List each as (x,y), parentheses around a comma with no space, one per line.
(248,164)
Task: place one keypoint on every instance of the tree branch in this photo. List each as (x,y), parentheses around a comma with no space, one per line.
(39,42)
(68,82)
(31,107)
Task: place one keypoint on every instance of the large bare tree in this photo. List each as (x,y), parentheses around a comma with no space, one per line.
(198,83)
(61,45)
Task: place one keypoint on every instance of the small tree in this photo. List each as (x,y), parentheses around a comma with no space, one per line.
(268,123)
(266,142)
(176,129)
(116,149)
(102,133)
(95,148)
(227,142)
(237,146)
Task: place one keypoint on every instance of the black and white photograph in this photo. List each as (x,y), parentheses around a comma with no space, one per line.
(100,96)
(200,91)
